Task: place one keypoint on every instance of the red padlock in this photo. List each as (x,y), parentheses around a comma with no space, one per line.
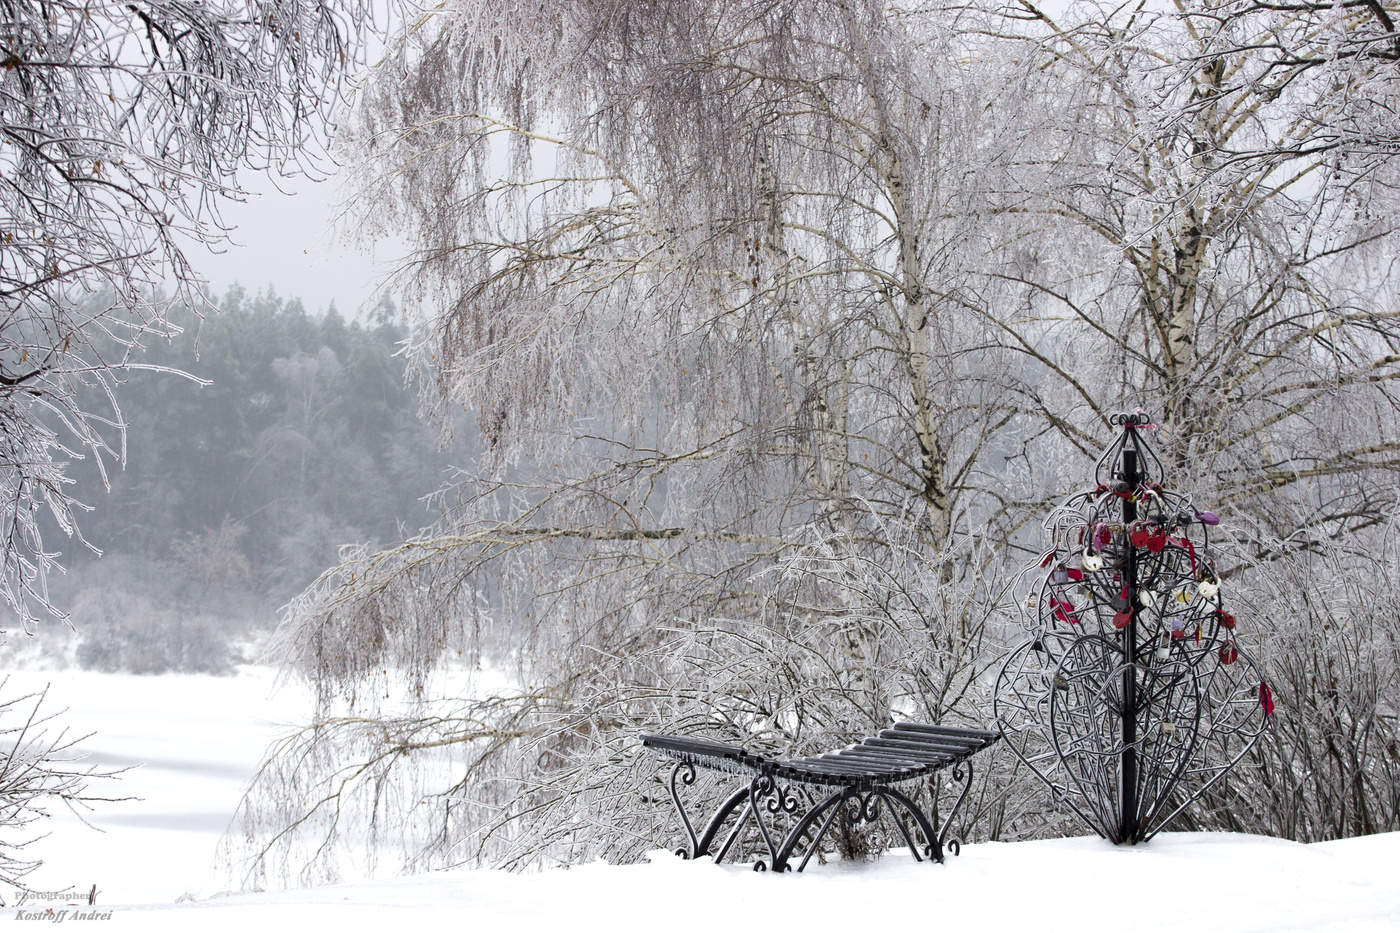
(1228,654)
(1157,540)
(1121,619)
(1226,620)
(1139,536)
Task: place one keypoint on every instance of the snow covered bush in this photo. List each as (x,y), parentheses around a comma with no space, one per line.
(129,618)
(141,637)
(1329,617)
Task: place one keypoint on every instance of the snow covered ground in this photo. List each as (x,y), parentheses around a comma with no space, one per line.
(1180,882)
(191,742)
(201,737)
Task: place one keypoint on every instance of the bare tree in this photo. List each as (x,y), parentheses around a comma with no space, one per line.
(1249,304)
(39,770)
(1241,278)
(777,205)
(1325,70)
(696,284)
(122,129)
(743,293)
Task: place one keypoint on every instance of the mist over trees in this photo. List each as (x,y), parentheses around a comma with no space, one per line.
(238,492)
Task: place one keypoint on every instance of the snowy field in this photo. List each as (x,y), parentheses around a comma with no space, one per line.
(197,739)
(191,742)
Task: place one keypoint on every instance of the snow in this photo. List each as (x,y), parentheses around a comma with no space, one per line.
(1180,881)
(201,737)
(192,742)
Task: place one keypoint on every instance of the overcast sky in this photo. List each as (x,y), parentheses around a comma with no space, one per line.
(285,241)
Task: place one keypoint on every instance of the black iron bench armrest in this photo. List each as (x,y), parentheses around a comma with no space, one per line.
(706,753)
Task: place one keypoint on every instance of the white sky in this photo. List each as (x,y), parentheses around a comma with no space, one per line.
(286,241)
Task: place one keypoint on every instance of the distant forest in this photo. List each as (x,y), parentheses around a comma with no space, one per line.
(236,494)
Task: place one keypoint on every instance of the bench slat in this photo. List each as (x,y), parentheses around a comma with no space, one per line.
(863,753)
(983,735)
(891,739)
(937,756)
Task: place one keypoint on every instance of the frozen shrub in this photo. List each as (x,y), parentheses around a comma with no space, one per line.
(123,630)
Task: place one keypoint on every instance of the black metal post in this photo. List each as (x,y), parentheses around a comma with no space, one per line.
(1128,775)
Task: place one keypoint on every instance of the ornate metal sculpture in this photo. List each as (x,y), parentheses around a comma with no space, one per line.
(1131,697)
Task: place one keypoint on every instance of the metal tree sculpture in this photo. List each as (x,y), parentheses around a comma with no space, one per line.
(1131,697)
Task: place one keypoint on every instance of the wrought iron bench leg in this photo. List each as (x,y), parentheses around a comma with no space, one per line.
(738,827)
(684,772)
(933,843)
(962,771)
(823,814)
(764,793)
(825,811)
(712,828)
(866,809)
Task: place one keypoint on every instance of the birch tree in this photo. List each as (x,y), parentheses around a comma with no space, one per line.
(696,276)
(1242,296)
(1328,69)
(766,312)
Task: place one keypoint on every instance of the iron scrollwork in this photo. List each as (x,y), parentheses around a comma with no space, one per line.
(811,817)
(684,771)
(962,771)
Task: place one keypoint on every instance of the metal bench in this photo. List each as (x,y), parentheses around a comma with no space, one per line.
(859,778)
